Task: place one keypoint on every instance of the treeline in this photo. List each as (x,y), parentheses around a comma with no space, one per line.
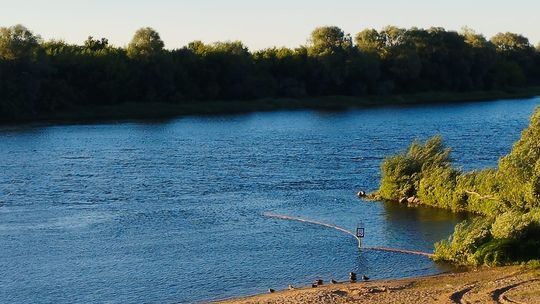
(39,76)
(507,198)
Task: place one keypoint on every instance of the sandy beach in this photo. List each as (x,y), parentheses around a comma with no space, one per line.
(512,284)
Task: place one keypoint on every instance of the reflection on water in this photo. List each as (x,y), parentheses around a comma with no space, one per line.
(409,223)
(173,211)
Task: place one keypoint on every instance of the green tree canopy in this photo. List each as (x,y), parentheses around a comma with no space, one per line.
(369,40)
(96,45)
(145,43)
(18,42)
(328,40)
(510,42)
(474,39)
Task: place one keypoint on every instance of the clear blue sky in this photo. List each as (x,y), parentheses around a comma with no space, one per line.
(261,24)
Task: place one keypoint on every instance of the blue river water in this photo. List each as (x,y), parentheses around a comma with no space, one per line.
(173,211)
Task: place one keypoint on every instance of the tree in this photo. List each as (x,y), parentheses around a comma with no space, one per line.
(516,56)
(96,45)
(369,40)
(18,42)
(329,40)
(510,42)
(145,43)
(483,56)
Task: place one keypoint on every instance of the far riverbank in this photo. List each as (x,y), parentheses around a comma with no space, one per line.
(157,110)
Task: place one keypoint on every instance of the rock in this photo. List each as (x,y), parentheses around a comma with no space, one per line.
(403,200)
(416,200)
(410,200)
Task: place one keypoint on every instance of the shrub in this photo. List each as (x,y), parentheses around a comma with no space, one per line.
(402,173)
(511,225)
(468,236)
(437,188)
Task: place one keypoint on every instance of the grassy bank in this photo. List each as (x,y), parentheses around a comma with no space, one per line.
(131,110)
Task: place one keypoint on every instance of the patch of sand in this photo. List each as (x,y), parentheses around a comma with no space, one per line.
(486,285)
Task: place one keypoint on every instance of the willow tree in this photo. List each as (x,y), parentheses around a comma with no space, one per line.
(18,42)
(328,40)
(519,171)
(145,43)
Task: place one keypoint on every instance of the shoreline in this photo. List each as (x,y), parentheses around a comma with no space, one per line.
(484,285)
(130,111)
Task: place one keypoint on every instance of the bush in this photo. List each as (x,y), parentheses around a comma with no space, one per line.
(437,188)
(532,264)
(511,225)
(401,174)
(467,238)
(479,189)
(519,171)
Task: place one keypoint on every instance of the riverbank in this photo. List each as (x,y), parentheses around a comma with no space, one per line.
(136,111)
(512,284)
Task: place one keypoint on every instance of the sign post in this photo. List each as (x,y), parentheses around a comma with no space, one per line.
(360,233)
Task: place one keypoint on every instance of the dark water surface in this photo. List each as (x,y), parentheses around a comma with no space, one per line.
(173,211)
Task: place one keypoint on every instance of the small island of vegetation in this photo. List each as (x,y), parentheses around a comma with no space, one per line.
(507,198)
(48,80)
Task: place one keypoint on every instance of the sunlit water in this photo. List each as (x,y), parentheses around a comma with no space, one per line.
(172,211)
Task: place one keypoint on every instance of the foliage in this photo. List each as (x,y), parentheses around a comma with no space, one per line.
(145,43)
(402,173)
(468,237)
(18,42)
(508,197)
(532,264)
(510,42)
(490,241)
(519,171)
(40,78)
(511,225)
(329,40)
(437,188)
(480,191)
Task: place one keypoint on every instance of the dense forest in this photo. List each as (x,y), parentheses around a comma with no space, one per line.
(507,198)
(38,76)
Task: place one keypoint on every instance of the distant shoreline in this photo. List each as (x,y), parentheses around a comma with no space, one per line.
(152,111)
(483,285)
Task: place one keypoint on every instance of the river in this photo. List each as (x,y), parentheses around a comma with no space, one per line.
(174,211)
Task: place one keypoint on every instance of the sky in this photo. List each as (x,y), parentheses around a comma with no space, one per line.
(261,24)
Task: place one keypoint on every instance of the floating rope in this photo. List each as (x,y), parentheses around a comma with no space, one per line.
(378,248)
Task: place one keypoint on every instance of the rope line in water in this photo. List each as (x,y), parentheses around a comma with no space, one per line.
(401,251)
(298,219)
(378,248)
